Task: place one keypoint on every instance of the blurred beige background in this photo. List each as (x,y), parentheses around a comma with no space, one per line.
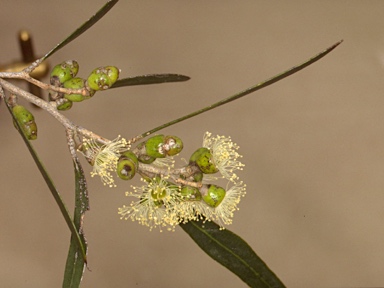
(312,143)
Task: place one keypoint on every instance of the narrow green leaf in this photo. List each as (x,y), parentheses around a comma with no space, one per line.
(150,79)
(233,253)
(259,86)
(88,24)
(52,188)
(75,265)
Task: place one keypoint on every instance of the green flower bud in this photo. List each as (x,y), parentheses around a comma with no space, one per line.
(127,165)
(76,83)
(191,193)
(142,154)
(113,73)
(213,195)
(63,72)
(26,121)
(204,160)
(103,77)
(154,146)
(172,145)
(63,104)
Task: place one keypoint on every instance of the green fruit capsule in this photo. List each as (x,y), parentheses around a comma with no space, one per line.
(172,145)
(26,121)
(63,104)
(103,77)
(190,193)
(127,165)
(213,195)
(63,72)
(113,73)
(204,160)
(154,146)
(142,154)
(76,83)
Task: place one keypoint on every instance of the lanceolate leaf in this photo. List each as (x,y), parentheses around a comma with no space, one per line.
(88,24)
(53,190)
(75,265)
(233,253)
(149,79)
(247,91)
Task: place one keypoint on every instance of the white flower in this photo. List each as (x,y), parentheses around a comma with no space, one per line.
(155,207)
(104,158)
(224,212)
(224,154)
(189,210)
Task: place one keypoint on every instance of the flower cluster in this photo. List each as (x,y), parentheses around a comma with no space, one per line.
(164,204)
(172,196)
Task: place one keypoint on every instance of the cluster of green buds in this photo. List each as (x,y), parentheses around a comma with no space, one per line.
(158,146)
(26,121)
(64,75)
(171,195)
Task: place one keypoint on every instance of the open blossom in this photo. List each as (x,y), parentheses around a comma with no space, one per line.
(104,158)
(223,213)
(224,154)
(155,204)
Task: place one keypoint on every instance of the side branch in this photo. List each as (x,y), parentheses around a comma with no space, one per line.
(69,125)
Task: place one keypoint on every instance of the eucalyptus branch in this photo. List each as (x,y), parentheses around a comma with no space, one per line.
(178,175)
(25,76)
(38,102)
(68,124)
(170,196)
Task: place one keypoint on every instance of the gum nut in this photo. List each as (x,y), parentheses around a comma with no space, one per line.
(196,155)
(203,159)
(99,79)
(113,73)
(22,114)
(30,130)
(126,168)
(154,146)
(64,105)
(214,196)
(130,155)
(172,145)
(74,83)
(191,193)
(64,71)
(26,121)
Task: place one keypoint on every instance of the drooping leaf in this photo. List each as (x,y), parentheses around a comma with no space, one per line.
(247,91)
(75,265)
(86,25)
(233,253)
(149,79)
(52,188)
